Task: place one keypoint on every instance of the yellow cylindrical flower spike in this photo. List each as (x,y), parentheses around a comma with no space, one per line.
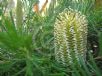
(70,33)
(19,14)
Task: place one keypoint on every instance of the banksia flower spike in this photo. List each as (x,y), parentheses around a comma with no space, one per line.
(70,33)
(19,14)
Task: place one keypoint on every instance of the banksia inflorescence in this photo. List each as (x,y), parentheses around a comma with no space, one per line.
(19,13)
(70,33)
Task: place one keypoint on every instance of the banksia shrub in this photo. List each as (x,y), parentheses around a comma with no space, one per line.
(70,33)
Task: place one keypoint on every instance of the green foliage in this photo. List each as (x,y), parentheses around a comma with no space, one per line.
(29,50)
(100,43)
